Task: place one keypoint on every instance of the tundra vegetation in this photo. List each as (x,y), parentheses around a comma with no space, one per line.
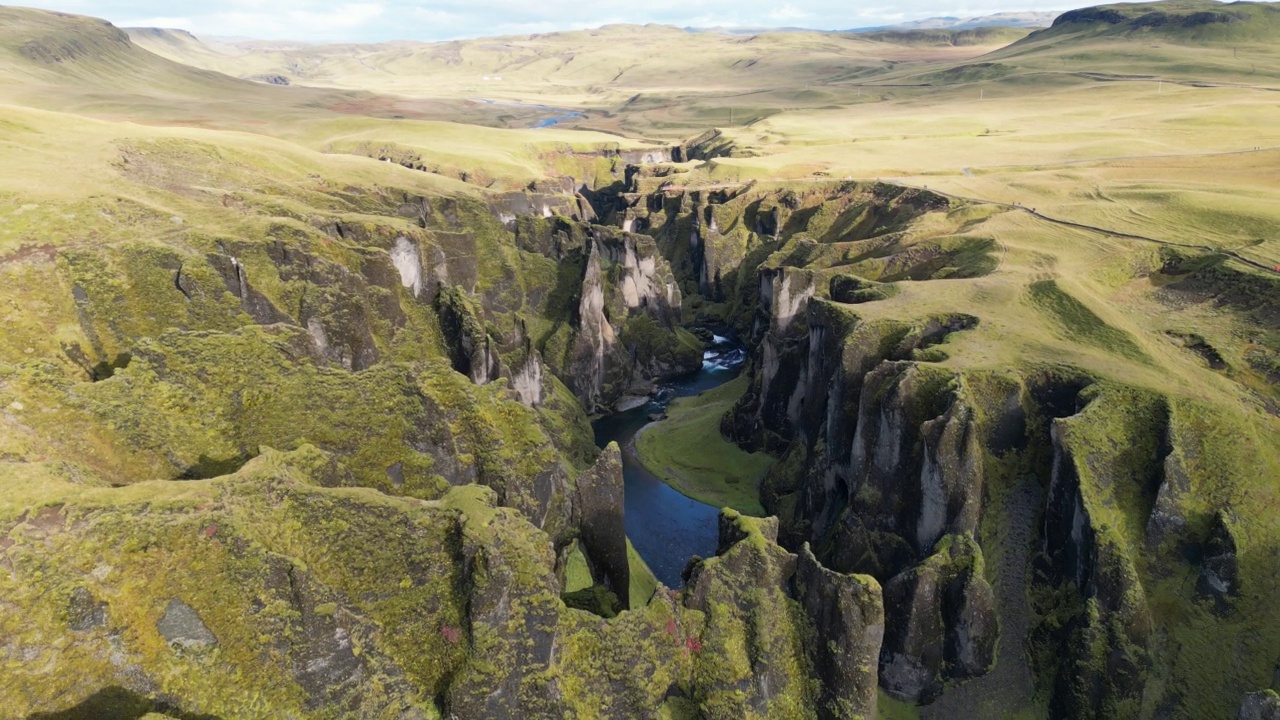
(301,345)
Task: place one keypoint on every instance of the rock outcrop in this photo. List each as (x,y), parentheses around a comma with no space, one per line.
(470,346)
(754,650)
(181,627)
(600,509)
(1220,568)
(847,612)
(945,627)
(1263,705)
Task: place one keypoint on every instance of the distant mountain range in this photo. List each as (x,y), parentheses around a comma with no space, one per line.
(1005,19)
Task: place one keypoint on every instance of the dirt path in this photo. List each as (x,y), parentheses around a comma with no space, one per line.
(1008,689)
(1031,211)
(1110,158)
(1104,231)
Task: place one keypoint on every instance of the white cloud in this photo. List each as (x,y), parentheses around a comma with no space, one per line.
(183,23)
(339,23)
(375,20)
(788,13)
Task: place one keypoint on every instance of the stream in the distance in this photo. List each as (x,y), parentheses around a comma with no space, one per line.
(666,527)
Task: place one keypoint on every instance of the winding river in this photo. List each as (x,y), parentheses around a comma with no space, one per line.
(544,122)
(666,527)
(552,121)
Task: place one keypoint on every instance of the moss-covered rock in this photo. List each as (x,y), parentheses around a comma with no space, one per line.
(764,654)
(848,617)
(1263,705)
(599,505)
(944,626)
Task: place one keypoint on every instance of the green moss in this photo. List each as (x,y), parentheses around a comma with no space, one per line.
(595,599)
(889,708)
(676,708)
(660,351)
(644,584)
(577,573)
(565,423)
(634,660)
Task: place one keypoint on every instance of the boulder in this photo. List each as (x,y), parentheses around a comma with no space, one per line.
(182,627)
(1263,705)
(1220,571)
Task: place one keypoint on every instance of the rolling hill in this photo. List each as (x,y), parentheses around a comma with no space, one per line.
(615,71)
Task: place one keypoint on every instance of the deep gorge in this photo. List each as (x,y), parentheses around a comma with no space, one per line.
(959,535)
(898,469)
(333,387)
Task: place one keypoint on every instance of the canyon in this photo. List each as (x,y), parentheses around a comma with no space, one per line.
(334,415)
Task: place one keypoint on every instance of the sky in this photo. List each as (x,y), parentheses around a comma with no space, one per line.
(381,20)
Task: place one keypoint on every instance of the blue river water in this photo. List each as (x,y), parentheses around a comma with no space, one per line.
(545,122)
(551,121)
(666,527)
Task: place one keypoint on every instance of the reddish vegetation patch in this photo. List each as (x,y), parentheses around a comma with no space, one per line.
(211,531)
(44,252)
(450,633)
(47,518)
(693,645)
(671,626)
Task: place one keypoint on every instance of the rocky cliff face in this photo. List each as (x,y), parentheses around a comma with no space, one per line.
(363,417)
(617,310)
(296,622)
(889,462)
(887,469)
(763,644)
(423,362)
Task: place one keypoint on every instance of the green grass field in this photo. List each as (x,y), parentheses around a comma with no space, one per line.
(689,453)
(643,582)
